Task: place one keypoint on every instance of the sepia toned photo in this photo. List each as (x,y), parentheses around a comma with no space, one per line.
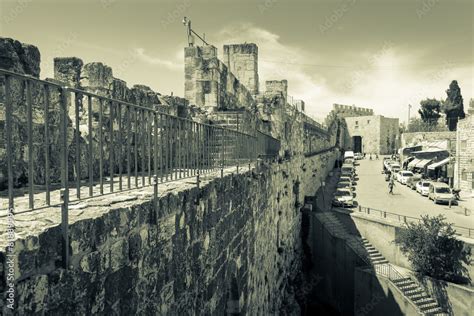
(245,157)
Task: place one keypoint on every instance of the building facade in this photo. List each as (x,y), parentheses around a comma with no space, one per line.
(464,169)
(373,134)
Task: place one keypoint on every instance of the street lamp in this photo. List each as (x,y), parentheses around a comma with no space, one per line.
(191,33)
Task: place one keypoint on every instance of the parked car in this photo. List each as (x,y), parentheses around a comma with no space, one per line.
(403,176)
(345,185)
(348,154)
(441,192)
(422,187)
(394,167)
(358,156)
(349,161)
(348,169)
(347,178)
(343,197)
(411,182)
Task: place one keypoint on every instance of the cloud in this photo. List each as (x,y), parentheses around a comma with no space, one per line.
(386,78)
(157,61)
(278,61)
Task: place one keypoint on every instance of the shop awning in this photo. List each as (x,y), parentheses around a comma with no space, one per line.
(408,160)
(438,164)
(422,163)
(413,163)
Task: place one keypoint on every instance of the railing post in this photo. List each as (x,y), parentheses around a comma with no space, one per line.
(29,106)
(155,161)
(46,144)
(237,142)
(77,137)
(222,131)
(9,145)
(155,192)
(64,180)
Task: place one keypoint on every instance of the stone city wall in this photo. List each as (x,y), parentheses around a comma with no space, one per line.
(209,83)
(231,246)
(242,61)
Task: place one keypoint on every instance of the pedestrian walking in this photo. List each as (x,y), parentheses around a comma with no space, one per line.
(391,184)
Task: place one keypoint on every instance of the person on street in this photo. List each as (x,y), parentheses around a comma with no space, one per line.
(391,184)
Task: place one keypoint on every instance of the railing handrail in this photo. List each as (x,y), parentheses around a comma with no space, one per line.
(367,210)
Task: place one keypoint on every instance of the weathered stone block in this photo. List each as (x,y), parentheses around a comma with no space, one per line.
(68,70)
(97,74)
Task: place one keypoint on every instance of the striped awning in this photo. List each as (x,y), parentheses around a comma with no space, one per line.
(422,163)
(438,164)
(413,163)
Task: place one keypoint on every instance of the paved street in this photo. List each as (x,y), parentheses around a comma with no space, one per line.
(372,191)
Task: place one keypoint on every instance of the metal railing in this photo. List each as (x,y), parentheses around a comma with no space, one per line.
(87,145)
(463,231)
(268,145)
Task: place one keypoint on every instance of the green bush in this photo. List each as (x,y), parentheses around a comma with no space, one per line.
(433,250)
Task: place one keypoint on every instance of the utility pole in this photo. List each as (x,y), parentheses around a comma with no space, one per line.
(408,122)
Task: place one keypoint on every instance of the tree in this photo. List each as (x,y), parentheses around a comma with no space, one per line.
(433,250)
(453,106)
(429,111)
(417,125)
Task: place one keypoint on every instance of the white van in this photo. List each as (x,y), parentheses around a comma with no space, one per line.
(349,154)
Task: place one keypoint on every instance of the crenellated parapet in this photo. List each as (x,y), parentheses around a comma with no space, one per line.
(210,85)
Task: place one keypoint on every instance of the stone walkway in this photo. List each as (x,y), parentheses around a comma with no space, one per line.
(32,223)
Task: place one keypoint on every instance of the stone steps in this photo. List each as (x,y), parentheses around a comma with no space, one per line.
(409,287)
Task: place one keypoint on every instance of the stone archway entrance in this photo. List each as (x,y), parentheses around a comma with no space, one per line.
(357,144)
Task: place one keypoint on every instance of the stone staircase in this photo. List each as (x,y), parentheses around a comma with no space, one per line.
(410,288)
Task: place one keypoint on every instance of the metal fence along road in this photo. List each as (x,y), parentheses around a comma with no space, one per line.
(463,231)
(77,140)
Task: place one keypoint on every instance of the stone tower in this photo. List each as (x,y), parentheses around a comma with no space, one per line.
(242,61)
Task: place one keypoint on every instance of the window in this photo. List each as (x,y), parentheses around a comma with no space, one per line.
(464,176)
(463,145)
(368,121)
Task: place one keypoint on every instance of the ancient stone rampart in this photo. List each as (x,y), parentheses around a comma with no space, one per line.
(231,246)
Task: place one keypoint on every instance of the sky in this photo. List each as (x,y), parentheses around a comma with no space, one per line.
(381,54)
